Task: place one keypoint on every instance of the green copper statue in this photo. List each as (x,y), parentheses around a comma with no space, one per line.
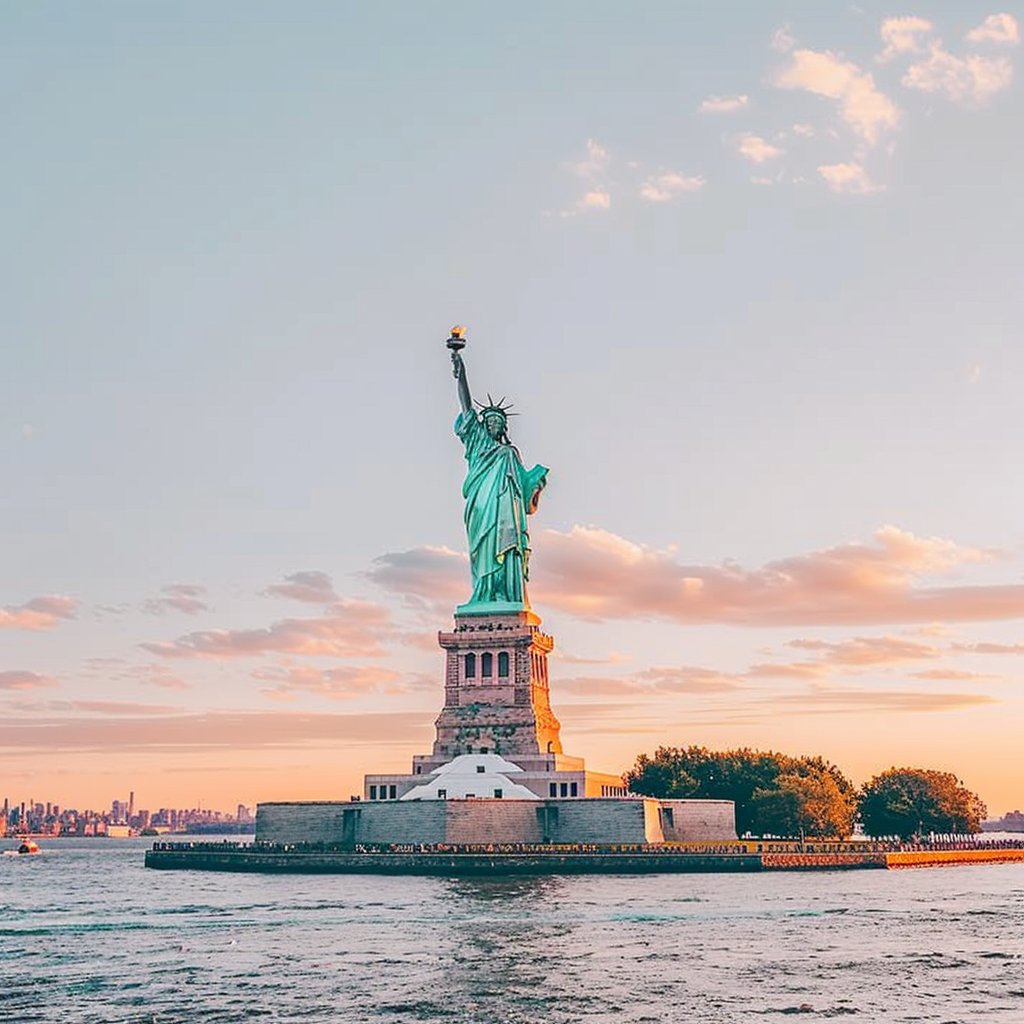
(500,493)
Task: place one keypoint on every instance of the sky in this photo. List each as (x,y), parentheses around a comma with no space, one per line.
(749,272)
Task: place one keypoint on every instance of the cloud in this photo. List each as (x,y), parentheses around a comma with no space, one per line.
(591,171)
(681,679)
(862,106)
(598,575)
(438,576)
(989,648)
(594,165)
(756,149)
(20,680)
(970,80)
(39,613)
(996,28)
(782,40)
(119,670)
(722,104)
(350,629)
(311,586)
(93,707)
(334,683)
(178,597)
(228,731)
(687,679)
(904,35)
(611,658)
(659,188)
(122,707)
(848,178)
(797,670)
(824,700)
(860,651)
(952,674)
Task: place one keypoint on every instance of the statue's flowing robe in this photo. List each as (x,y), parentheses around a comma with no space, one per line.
(500,493)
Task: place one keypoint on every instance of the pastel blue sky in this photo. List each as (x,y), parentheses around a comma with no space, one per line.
(749,272)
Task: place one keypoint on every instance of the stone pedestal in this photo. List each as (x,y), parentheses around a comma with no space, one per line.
(496,692)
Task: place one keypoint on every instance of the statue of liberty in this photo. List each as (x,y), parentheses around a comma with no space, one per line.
(500,493)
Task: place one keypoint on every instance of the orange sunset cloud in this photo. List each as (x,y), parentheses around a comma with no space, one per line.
(39,613)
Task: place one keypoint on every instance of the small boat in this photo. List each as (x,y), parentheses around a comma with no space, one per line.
(28,846)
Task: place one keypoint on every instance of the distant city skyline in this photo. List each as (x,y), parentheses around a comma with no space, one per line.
(748,272)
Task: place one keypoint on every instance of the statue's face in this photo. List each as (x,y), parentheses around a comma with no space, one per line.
(495,424)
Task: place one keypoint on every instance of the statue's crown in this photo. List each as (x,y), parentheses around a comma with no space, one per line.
(499,407)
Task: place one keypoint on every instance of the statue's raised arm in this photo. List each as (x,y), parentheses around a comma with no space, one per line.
(459,372)
(500,493)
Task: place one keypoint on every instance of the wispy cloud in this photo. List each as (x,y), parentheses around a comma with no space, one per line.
(596,200)
(970,80)
(850,178)
(21,680)
(39,613)
(989,648)
(904,35)
(756,149)
(593,166)
(782,40)
(177,597)
(996,28)
(861,651)
(342,683)
(951,674)
(822,699)
(210,730)
(662,679)
(435,575)
(350,629)
(866,109)
(311,586)
(793,670)
(687,679)
(611,658)
(723,104)
(660,188)
(120,670)
(592,172)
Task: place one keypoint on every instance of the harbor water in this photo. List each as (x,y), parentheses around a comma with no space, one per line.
(88,936)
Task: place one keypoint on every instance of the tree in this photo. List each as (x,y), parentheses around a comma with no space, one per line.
(909,802)
(773,793)
(806,803)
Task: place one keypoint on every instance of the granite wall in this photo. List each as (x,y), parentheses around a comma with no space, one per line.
(472,822)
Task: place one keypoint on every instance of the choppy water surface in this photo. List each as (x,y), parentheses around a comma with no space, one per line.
(88,936)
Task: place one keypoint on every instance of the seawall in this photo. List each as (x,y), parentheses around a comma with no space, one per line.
(310,859)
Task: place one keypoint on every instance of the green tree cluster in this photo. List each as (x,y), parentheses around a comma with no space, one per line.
(909,802)
(776,794)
